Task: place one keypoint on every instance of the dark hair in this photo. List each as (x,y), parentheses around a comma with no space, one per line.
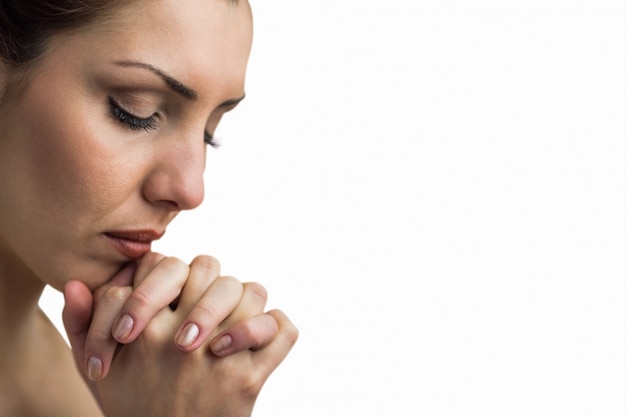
(26,25)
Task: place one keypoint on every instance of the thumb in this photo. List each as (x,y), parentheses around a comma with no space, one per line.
(77,317)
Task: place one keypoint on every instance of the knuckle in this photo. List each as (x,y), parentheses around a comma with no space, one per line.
(112,294)
(207,262)
(98,336)
(250,334)
(151,258)
(257,290)
(251,384)
(287,328)
(141,298)
(292,333)
(248,383)
(228,281)
(207,310)
(173,263)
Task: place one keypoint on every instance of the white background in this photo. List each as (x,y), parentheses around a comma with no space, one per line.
(435,192)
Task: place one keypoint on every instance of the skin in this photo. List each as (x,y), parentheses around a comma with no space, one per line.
(73,171)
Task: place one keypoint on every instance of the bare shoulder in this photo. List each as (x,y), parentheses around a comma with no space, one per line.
(45,382)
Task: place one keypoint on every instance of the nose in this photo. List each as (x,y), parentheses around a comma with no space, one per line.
(177,176)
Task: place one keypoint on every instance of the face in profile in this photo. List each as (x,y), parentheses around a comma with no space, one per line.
(105,143)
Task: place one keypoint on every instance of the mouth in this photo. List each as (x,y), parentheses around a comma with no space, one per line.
(132,244)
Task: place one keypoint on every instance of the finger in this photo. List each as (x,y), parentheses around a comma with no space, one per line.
(78,309)
(77,317)
(203,271)
(145,265)
(99,345)
(275,351)
(212,308)
(124,277)
(157,290)
(252,303)
(253,333)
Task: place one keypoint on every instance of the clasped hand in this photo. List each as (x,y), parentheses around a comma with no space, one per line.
(166,338)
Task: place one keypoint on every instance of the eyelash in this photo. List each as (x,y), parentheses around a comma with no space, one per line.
(210,140)
(147,124)
(132,121)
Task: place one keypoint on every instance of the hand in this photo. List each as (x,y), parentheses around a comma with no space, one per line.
(152,377)
(120,310)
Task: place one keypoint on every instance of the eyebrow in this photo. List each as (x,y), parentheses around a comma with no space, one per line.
(172,82)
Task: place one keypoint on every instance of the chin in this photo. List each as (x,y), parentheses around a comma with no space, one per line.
(92,274)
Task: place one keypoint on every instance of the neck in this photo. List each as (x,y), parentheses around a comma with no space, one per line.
(20,290)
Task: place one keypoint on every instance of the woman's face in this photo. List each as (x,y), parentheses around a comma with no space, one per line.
(105,143)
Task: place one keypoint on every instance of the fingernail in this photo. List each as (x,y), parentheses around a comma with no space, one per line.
(94,368)
(220,344)
(188,335)
(123,327)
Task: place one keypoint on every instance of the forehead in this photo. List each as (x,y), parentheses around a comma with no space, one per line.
(200,42)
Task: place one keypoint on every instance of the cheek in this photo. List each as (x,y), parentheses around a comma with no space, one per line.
(77,168)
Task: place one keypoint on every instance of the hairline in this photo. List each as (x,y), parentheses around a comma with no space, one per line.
(17,75)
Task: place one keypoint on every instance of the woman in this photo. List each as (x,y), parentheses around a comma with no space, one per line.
(106,108)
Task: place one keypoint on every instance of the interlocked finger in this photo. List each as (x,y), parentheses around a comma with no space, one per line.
(156,290)
(203,271)
(273,353)
(253,333)
(201,317)
(99,345)
(145,266)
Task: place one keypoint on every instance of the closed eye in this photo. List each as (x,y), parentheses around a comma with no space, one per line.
(148,123)
(132,121)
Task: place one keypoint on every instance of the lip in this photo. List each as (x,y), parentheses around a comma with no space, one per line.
(132,244)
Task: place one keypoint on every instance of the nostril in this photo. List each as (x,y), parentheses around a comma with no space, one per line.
(172,205)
